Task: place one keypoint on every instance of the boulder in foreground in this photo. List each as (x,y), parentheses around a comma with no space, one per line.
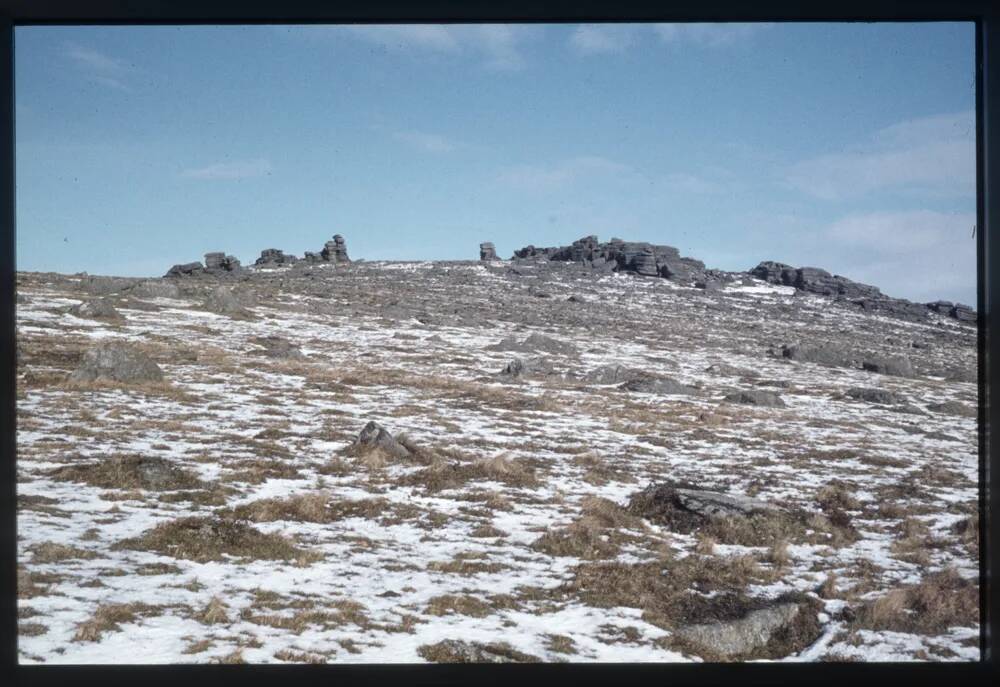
(116,361)
(375,437)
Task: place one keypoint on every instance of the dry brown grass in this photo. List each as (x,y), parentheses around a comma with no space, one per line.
(130,472)
(666,590)
(214,613)
(447,604)
(450,651)
(560,644)
(305,615)
(466,563)
(941,600)
(441,474)
(290,656)
(109,618)
(214,538)
(51,552)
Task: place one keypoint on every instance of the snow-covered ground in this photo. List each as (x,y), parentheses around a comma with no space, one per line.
(406,345)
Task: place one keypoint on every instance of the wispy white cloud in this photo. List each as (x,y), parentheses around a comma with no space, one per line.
(230,170)
(922,255)
(426,142)
(930,155)
(497,46)
(100,68)
(562,174)
(600,39)
(691,183)
(711,35)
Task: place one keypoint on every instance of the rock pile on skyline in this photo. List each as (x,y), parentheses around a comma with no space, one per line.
(275,256)
(215,263)
(616,255)
(487,251)
(865,296)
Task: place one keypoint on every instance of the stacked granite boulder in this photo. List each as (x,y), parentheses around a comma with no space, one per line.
(487,252)
(220,262)
(335,250)
(868,298)
(616,255)
(275,256)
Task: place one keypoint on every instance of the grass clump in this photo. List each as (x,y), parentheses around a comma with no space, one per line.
(130,472)
(941,600)
(457,651)
(214,538)
(110,618)
(51,552)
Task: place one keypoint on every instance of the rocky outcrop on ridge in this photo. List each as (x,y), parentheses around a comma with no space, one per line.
(616,255)
(864,296)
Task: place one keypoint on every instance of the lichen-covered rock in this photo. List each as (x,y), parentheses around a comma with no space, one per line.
(116,361)
(744,636)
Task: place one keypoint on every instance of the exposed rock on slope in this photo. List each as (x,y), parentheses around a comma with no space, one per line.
(117,362)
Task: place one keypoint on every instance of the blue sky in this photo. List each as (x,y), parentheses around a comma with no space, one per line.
(843,146)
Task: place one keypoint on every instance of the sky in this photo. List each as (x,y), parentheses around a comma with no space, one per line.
(849,147)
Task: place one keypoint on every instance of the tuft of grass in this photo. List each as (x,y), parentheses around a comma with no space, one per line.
(51,552)
(214,613)
(204,539)
(941,600)
(455,651)
(441,474)
(129,473)
(110,618)
(464,604)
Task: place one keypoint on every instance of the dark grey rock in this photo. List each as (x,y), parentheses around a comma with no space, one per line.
(335,251)
(374,436)
(227,301)
(97,309)
(279,348)
(954,408)
(526,367)
(187,269)
(117,362)
(879,396)
(155,288)
(821,354)
(742,636)
(534,343)
(611,374)
(275,256)
(896,366)
(652,384)
(684,508)
(755,397)
(487,251)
